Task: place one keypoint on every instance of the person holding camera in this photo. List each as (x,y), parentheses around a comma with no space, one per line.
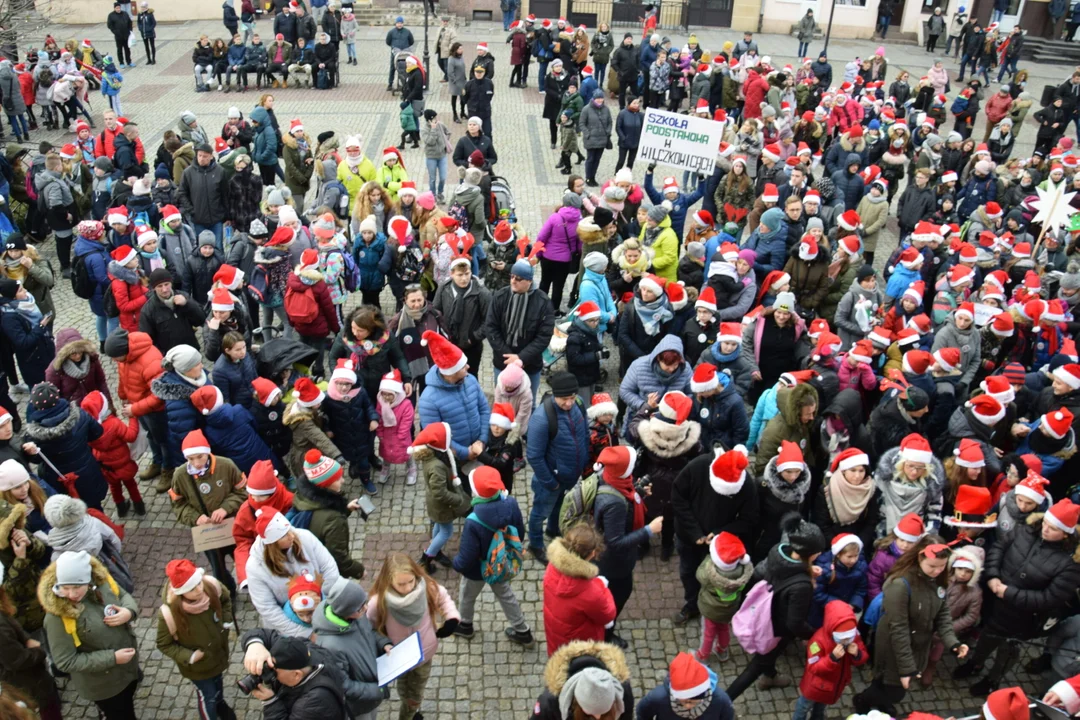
(193,630)
(292,677)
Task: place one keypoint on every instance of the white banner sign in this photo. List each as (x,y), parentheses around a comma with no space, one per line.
(684,141)
(985,313)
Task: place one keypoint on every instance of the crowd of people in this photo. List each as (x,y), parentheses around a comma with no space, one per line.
(870,468)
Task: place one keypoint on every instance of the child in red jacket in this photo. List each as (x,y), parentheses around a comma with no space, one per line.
(113,454)
(833,651)
(309,307)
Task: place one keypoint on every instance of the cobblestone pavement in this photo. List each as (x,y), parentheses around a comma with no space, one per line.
(488,677)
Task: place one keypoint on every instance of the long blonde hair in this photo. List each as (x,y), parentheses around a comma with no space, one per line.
(276,558)
(402,563)
(363,205)
(176,606)
(37,498)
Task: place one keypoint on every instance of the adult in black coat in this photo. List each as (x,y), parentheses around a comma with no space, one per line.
(318,693)
(479,91)
(471,142)
(822,70)
(897,416)
(1032,575)
(119,24)
(571,659)
(30,337)
(555,85)
(62,432)
(528,341)
(777,497)
(704,506)
(843,416)
(170,318)
(285,24)
(624,64)
(326,57)
(204,191)
(464,312)
(369,323)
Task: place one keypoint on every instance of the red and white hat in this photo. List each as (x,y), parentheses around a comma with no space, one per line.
(308,393)
(229,277)
(771,152)
(972,508)
(588,310)
(948,358)
(727,551)
(1057,423)
(949,176)
(808,248)
(266,391)
(862,351)
(969,454)
(653,283)
(849,220)
(727,472)
(437,437)
(1063,515)
(207,400)
(790,457)
(914,448)
(676,295)
(1003,325)
(670,184)
(446,355)
(771,193)
(271,525)
(1033,487)
(261,479)
(675,407)
(602,404)
(96,406)
(688,678)
(916,362)
(408,187)
(880,336)
(400,229)
(911,258)
(391,383)
(729,332)
(987,409)
(616,461)
(999,388)
(818,326)
(1069,692)
(848,459)
(795,377)
(169,213)
(344,370)
(482,46)
(144,234)
(910,528)
(966,309)
(827,344)
(195,443)
(705,378)
(309,260)
(183,575)
(992,210)
(703,218)
(851,244)
(908,336)
(124,254)
(1068,374)
(1007,703)
(842,540)
(486,482)
(222,300)
(707,300)
(502,415)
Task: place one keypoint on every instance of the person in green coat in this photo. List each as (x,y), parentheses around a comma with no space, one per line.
(798,407)
(573,101)
(658,235)
(322,496)
(99,652)
(23,661)
(193,631)
(446,499)
(21,556)
(298,152)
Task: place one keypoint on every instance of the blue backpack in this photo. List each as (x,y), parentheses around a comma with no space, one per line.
(505,553)
(351,274)
(872,615)
(299,518)
(259,285)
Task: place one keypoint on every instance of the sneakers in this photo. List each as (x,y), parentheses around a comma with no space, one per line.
(410,477)
(539,554)
(464,630)
(685,615)
(370,488)
(151,471)
(724,655)
(525,639)
(519,464)
(164,482)
(381,476)
(767,683)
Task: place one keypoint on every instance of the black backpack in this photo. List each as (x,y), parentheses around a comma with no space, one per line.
(548,401)
(112,310)
(81,283)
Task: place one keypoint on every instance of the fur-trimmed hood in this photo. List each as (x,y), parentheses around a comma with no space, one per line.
(62,607)
(589,232)
(886,470)
(788,400)
(976,555)
(793,493)
(310,274)
(12,520)
(587,653)
(568,563)
(39,432)
(289,141)
(296,414)
(668,440)
(69,342)
(313,497)
(641,266)
(170,387)
(847,146)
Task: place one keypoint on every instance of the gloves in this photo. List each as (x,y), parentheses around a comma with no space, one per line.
(605,353)
(652,167)
(608,146)
(448,628)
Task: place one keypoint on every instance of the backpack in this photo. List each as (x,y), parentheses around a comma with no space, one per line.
(299,518)
(752,624)
(872,615)
(460,214)
(351,275)
(411,266)
(259,285)
(112,310)
(577,505)
(504,554)
(335,195)
(322,80)
(959,105)
(301,306)
(548,401)
(81,283)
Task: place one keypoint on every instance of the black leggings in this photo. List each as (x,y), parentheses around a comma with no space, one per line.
(626,157)
(554,273)
(1007,653)
(150,45)
(120,706)
(454,106)
(516,75)
(553,126)
(267,173)
(759,665)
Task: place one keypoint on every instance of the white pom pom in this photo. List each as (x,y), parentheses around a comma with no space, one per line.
(597,467)
(513,426)
(423,342)
(206,411)
(410,450)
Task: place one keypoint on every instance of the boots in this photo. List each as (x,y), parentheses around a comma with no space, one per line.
(416,139)
(122,508)
(140,507)
(152,470)
(580,158)
(427,562)
(927,677)
(564,163)
(410,476)
(164,482)
(767,683)
(401,145)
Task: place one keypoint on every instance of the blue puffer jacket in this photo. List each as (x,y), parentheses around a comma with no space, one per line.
(647,55)
(367,259)
(765,410)
(978,191)
(232,433)
(31,341)
(97,265)
(642,377)
(770,246)
(235,56)
(594,287)
(559,461)
(463,406)
(679,207)
(181,414)
(234,379)
(849,585)
(900,280)
(63,433)
(349,421)
(848,188)
(723,417)
(265,141)
(476,539)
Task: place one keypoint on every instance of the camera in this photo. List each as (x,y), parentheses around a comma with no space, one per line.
(267,678)
(641,483)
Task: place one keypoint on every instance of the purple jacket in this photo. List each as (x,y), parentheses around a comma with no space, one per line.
(559,235)
(879,568)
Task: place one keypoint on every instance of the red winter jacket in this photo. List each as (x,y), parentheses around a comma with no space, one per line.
(130,299)
(997,107)
(577,603)
(845,116)
(519,48)
(136,372)
(326,322)
(106,147)
(243,530)
(754,88)
(826,677)
(111,449)
(26,88)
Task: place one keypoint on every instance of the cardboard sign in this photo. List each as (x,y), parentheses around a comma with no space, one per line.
(684,141)
(985,313)
(210,536)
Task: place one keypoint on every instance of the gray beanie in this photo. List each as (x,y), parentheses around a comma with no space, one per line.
(785,301)
(348,599)
(596,692)
(182,358)
(1069,280)
(571,199)
(932,139)
(188,117)
(657,213)
(598,262)
(696,250)
(72,568)
(116,345)
(257,228)
(815,222)
(275,198)
(207,237)
(768,111)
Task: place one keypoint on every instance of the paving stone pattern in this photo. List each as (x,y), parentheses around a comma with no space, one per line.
(487,677)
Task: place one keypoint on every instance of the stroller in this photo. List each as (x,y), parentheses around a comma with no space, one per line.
(399,56)
(503,206)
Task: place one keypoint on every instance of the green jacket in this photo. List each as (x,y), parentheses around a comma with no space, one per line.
(91,662)
(446,502)
(575,102)
(205,631)
(21,575)
(721,590)
(391,178)
(913,610)
(297,172)
(785,425)
(329,523)
(306,426)
(221,487)
(840,285)
(665,249)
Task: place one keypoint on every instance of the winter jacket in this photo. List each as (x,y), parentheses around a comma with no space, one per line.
(348,420)
(776,498)
(963,424)
(171,326)
(206,632)
(786,425)
(700,510)
(24,667)
(658,703)
(642,378)
(809,280)
(220,487)
(577,603)
(234,379)
(308,432)
(204,194)
(968,342)
(445,498)
(723,417)
(358,643)
(111,450)
(856,301)
(849,187)
(96,257)
(594,124)
(559,235)
(182,415)
(63,434)
(825,677)
(370,368)
(571,659)
(325,321)
(679,207)
(233,433)
(628,126)
(270,592)
(322,694)
(129,296)
(135,374)
(198,273)
(557,461)
(838,582)
(476,539)
(244,527)
(594,287)
(914,608)
(31,341)
(924,498)
(329,522)
(864,526)
(462,405)
(397,632)
(858,377)
(721,590)
(793,590)
(539,326)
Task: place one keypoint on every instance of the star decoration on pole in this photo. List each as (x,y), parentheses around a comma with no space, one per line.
(1055,208)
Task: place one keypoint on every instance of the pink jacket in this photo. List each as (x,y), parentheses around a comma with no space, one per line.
(398,632)
(521,401)
(394,441)
(938,79)
(860,377)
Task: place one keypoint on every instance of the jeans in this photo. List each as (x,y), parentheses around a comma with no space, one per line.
(808,709)
(105,326)
(965,60)
(157,434)
(201,71)
(440,535)
(470,590)
(317,14)
(600,72)
(1005,68)
(547,502)
(266,317)
(350,50)
(17,121)
(949,43)
(509,15)
(883,25)
(436,167)
(997,15)
(592,162)
(257,68)
(804,47)
(209,693)
(216,228)
(541,82)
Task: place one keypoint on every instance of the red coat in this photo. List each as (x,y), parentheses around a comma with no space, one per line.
(754,89)
(326,322)
(111,449)
(130,299)
(845,116)
(825,677)
(519,48)
(142,366)
(26,88)
(105,146)
(243,530)
(577,603)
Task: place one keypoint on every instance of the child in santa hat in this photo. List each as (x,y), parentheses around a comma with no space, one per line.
(699,332)
(231,429)
(726,354)
(112,452)
(843,576)
(833,651)
(513,387)
(723,576)
(305,594)
(603,430)
(445,497)
(268,409)
(887,550)
(691,690)
(718,407)
(395,427)
(584,350)
(352,421)
(964,597)
(503,449)
(1051,439)
(303,417)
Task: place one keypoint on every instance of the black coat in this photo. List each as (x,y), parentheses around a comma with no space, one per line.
(583,355)
(64,435)
(723,418)
(554,89)
(372,367)
(320,695)
(463,315)
(271,429)
(198,273)
(915,205)
(171,326)
(539,327)
(119,24)
(467,144)
(793,591)
(888,426)
(633,341)
(772,506)
(204,194)
(31,342)
(614,518)
(413,88)
(700,510)
(478,94)
(349,422)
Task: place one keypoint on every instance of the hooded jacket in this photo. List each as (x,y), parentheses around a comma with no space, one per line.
(31,341)
(657,704)
(559,235)
(358,643)
(721,590)
(968,342)
(329,523)
(786,425)
(63,433)
(664,247)
(244,527)
(130,294)
(325,321)
(577,603)
(270,592)
(644,375)
(848,186)
(572,658)
(182,415)
(476,539)
(462,405)
(723,416)
(348,420)
(140,367)
(825,677)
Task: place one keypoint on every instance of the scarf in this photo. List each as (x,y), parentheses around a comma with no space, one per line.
(29,308)
(129,276)
(156,261)
(721,357)
(876,198)
(332,391)
(625,486)
(196,473)
(899,497)
(386,411)
(414,313)
(483,500)
(198,607)
(77,371)
(650,235)
(638,268)
(848,501)
(354,162)
(197,382)
(515,331)
(690,713)
(653,314)
(302,147)
(790,493)
(83,535)
(409,609)
(14,270)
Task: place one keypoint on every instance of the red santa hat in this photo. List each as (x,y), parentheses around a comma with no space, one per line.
(271,525)
(790,457)
(948,358)
(183,574)
(818,326)
(972,508)
(446,355)
(1033,487)
(880,336)
(602,404)
(949,176)
(309,260)
(1057,423)
(908,336)
(344,370)
(670,184)
(95,404)
(1008,703)
(772,152)
(261,479)
(307,393)
(808,248)
(124,254)
(969,454)
(1063,515)
(705,378)
(485,482)
(771,193)
(653,283)
(676,294)
(229,277)
(707,299)
(851,244)
(828,343)
(910,528)
(986,409)
(616,461)
(222,300)
(674,407)
(862,351)
(992,210)
(117,216)
(482,46)
(999,388)
(688,678)
(502,415)
(265,391)
(842,540)
(391,383)
(916,362)
(915,448)
(169,213)
(1003,325)
(849,220)
(794,377)
(207,399)
(588,310)
(195,443)
(1068,374)
(727,551)
(850,458)
(703,218)
(727,472)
